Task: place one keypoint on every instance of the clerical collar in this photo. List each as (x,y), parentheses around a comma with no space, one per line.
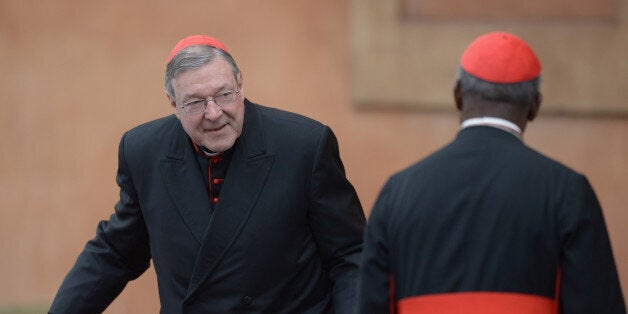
(208,151)
(204,150)
(493,122)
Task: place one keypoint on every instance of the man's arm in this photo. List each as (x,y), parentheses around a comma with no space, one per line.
(375,289)
(589,281)
(337,221)
(119,253)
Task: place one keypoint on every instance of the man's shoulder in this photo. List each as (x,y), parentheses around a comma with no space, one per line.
(517,157)
(277,115)
(154,132)
(285,122)
(157,125)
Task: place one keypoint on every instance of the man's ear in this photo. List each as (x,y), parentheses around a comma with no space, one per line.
(177,113)
(533,111)
(458,96)
(240,82)
(171,100)
(239,79)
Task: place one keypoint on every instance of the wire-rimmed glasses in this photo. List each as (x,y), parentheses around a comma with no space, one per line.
(221,100)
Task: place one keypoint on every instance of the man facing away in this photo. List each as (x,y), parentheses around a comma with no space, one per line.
(241,207)
(487,224)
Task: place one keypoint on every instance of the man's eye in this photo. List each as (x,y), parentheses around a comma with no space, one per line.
(223,95)
(194,103)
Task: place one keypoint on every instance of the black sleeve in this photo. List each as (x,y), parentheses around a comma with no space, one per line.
(589,281)
(119,253)
(375,269)
(337,222)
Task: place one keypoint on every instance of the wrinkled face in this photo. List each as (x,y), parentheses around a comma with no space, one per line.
(215,128)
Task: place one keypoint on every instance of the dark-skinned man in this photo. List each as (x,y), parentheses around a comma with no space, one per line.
(486,224)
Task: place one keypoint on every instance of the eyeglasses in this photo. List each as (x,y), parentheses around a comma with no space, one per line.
(222,100)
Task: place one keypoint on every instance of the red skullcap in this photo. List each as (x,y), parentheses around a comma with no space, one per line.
(500,57)
(193,40)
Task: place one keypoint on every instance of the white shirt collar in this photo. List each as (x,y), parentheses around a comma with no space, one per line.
(493,122)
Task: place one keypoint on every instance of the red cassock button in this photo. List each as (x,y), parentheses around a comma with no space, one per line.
(217,181)
(215,200)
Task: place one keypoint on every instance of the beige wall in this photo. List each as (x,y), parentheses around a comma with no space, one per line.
(75,75)
(585,60)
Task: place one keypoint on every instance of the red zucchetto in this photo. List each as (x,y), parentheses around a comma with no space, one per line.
(193,40)
(500,57)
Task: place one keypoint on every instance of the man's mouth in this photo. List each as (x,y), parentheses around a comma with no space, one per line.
(215,129)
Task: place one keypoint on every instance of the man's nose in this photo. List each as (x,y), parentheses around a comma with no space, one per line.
(212,111)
